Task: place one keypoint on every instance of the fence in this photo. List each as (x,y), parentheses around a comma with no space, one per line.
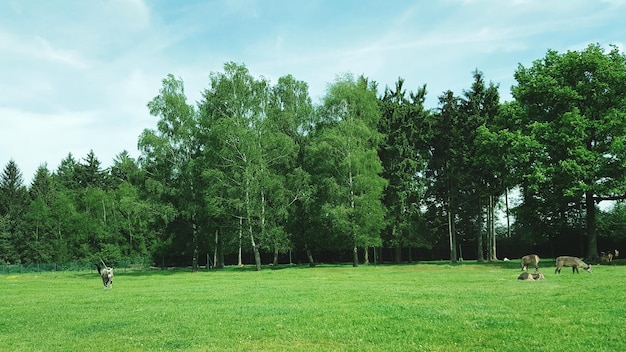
(124,264)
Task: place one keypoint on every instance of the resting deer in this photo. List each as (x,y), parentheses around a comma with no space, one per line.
(531,277)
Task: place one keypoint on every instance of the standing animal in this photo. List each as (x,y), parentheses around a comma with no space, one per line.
(531,277)
(528,260)
(573,262)
(608,256)
(107,276)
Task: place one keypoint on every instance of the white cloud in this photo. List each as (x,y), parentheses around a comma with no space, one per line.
(68,57)
(36,138)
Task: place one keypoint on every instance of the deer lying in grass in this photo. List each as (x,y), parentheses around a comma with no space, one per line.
(528,260)
(573,262)
(531,277)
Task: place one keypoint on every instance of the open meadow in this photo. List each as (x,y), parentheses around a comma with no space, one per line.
(422,307)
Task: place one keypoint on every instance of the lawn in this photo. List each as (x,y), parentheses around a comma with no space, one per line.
(423,307)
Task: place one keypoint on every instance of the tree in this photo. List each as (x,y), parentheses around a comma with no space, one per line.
(13,203)
(612,226)
(464,180)
(169,158)
(89,173)
(135,217)
(574,105)
(406,127)
(234,110)
(483,178)
(36,246)
(289,119)
(38,227)
(343,160)
(8,252)
(445,165)
(65,174)
(13,193)
(42,184)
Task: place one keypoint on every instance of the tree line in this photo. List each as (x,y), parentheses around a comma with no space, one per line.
(256,170)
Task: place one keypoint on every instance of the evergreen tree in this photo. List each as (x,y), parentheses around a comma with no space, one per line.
(404,152)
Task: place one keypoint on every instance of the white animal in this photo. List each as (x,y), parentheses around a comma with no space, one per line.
(107,276)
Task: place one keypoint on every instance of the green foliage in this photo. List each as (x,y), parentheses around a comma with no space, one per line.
(574,106)
(256,168)
(404,153)
(612,224)
(342,156)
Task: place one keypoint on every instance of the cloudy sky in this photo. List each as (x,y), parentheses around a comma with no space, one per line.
(76,75)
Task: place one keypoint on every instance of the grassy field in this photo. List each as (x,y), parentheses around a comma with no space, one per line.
(423,307)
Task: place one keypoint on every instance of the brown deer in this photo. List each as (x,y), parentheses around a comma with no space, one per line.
(573,262)
(607,257)
(531,277)
(528,260)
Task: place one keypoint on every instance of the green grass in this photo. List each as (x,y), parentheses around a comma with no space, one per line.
(424,307)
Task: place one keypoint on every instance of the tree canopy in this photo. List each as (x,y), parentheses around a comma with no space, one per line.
(256,173)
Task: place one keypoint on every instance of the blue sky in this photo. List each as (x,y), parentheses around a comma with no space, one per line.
(77,75)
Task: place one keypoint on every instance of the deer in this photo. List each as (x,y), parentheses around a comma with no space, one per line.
(607,257)
(528,260)
(106,273)
(572,262)
(531,277)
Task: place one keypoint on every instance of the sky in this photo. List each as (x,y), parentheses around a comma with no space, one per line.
(75,75)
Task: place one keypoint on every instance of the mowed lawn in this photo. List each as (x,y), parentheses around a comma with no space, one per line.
(422,307)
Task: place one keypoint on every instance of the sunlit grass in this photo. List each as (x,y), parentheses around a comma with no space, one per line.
(422,307)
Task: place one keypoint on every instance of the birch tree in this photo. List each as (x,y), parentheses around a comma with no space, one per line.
(344,161)
(169,158)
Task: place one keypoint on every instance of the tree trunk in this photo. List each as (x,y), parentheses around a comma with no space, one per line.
(218,260)
(239,259)
(592,241)
(366,256)
(355,256)
(451,234)
(275,261)
(508,214)
(194,260)
(492,230)
(257,254)
(479,236)
(255,248)
(104,212)
(397,254)
(309,255)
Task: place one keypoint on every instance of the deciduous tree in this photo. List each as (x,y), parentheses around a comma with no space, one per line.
(344,161)
(574,105)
